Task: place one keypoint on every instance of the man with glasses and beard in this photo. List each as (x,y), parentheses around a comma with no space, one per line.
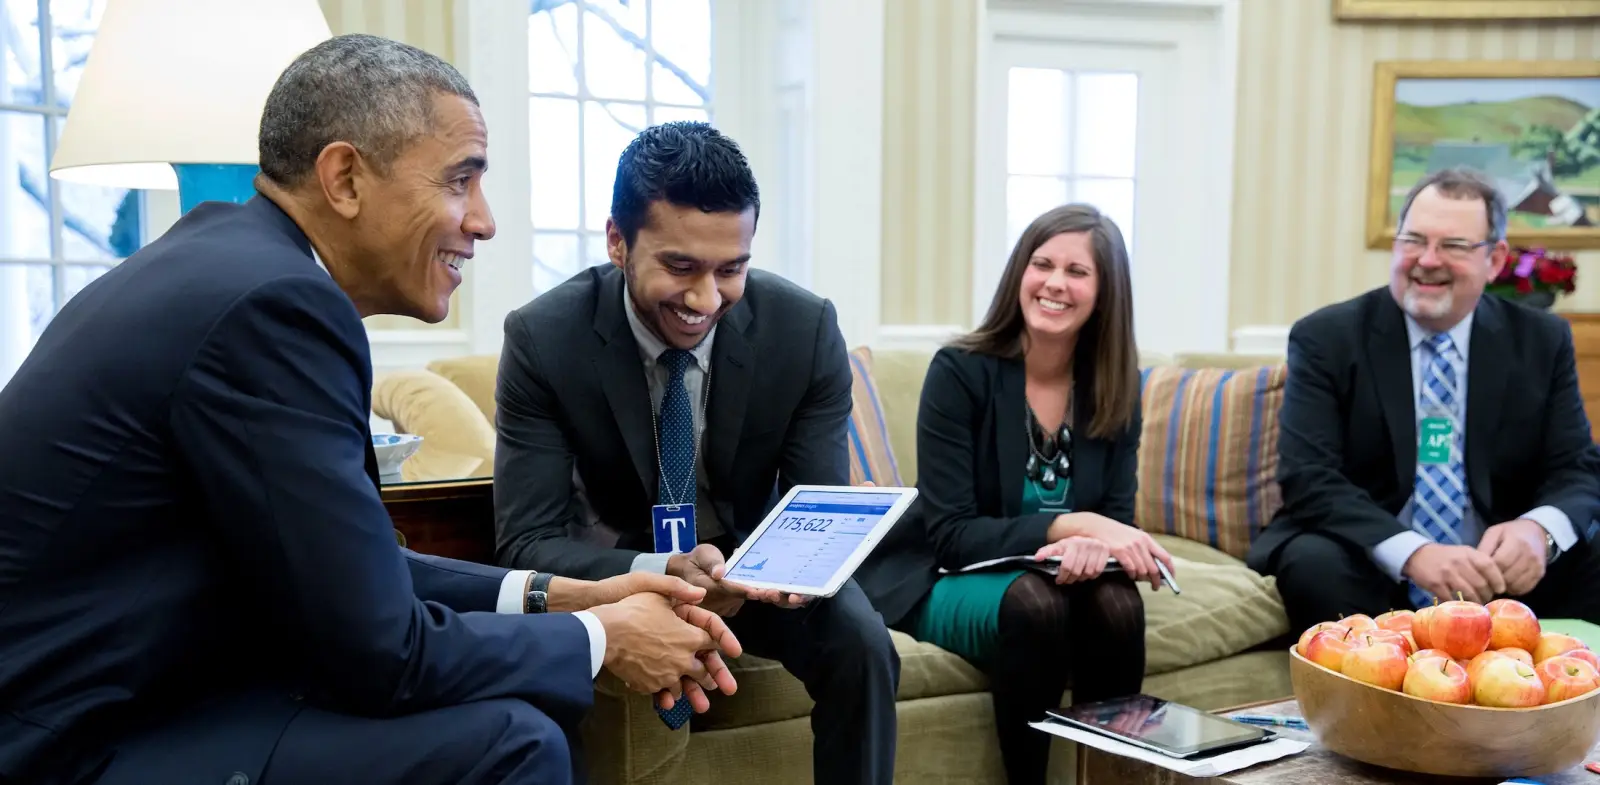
(1433,442)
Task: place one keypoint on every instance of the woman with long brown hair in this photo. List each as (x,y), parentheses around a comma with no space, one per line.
(1027,445)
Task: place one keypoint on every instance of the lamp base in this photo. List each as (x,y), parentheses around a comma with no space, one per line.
(214,183)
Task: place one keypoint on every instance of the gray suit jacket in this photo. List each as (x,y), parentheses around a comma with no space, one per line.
(572,397)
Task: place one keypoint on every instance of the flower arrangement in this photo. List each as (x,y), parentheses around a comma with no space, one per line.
(1536,277)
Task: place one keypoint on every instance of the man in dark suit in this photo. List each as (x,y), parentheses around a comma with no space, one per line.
(679,376)
(198,580)
(1433,441)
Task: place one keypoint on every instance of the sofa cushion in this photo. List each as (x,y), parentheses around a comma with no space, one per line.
(475,374)
(1208,454)
(871,457)
(457,440)
(767,693)
(1225,608)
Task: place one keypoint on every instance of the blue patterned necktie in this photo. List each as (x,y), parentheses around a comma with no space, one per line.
(676,434)
(675,445)
(1440,496)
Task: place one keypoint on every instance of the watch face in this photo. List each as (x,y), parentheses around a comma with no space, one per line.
(535,602)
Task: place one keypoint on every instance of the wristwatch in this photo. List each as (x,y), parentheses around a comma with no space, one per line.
(1551,551)
(538,593)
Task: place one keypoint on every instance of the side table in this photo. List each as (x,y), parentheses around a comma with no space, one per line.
(452,518)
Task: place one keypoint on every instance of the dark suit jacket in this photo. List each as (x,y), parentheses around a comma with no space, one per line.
(572,395)
(972,450)
(188,507)
(1347,444)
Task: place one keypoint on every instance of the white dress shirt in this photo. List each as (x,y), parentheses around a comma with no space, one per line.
(514,590)
(1391,554)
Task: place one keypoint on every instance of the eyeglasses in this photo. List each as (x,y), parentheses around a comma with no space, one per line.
(1413,246)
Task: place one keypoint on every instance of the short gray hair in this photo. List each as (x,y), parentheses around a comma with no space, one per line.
(371,92)
(1464,183)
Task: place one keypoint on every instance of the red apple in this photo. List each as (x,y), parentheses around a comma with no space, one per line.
(1327,648)
(1378,663)
(1461,628)
(1305,637)
(1508,684)
(1437,679)
(1359,622)
(1423,654)
(1399,621)
(1512,625)
(1519,654)
(1554,643)
(1567,677)
(1475,665)
(1419,627)
(1377,635)
(1411,640)
(1587,655)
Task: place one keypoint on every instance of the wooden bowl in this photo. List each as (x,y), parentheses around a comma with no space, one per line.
(1400,731)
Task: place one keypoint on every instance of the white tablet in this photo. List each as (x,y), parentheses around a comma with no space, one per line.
(816,537)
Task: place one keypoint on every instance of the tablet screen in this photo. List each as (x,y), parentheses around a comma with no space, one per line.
(1169,726)
(811,537)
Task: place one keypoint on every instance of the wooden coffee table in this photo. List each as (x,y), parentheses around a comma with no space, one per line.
(1315,766)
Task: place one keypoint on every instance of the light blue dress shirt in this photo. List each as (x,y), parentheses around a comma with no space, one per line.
(1391,554)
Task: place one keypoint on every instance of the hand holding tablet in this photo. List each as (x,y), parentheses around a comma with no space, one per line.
(815,538)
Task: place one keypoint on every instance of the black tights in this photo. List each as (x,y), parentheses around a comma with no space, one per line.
(1089,633)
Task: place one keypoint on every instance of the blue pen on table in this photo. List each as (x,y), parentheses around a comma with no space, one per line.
(1270,720)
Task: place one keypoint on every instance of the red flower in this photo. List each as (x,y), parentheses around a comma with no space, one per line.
(1524,286)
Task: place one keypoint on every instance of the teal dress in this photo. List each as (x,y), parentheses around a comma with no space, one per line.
(962,612)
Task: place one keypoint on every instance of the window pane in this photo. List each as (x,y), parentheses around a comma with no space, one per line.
(99,223)
(612,66)
(553,50)
(27,301)
(24,187)
(1026,199)
(627,14)
(1036,121)
(594,250)
(73,24)
(668,114)
(77,276)
(607,129)
(555,259)
(1112,197)
(19,40)
(1108,119)
(670,88)
(553,153)
(681,33)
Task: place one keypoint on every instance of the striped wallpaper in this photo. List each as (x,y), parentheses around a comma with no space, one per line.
(426,24)
(1302,135)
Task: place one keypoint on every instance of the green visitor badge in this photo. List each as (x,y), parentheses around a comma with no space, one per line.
(1436,435)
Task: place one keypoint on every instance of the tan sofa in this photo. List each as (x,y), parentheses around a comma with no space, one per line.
(1220,643)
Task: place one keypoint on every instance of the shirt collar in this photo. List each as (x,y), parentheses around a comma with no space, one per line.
(318,260)
(651,346)
(1460,335)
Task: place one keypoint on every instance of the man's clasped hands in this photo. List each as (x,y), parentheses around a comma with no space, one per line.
(665,633)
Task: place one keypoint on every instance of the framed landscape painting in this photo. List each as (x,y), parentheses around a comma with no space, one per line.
(1433,10)
(1532,127)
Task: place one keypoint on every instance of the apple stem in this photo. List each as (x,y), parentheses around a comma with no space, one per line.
(1461,597)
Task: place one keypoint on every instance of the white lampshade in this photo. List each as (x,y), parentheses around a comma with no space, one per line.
(179,81)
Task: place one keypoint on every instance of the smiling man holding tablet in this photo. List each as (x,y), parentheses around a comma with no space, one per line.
(663,403)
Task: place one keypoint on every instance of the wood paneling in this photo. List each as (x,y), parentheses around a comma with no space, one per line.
(1586,345)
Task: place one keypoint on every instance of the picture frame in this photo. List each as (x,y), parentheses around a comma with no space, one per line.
(1442,10)
(1531,126)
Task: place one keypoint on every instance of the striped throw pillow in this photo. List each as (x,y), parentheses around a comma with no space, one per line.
(871,459)
(1208,454)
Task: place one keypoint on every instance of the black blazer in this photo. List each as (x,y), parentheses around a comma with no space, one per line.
(572,395)
(972,450)
(188,509)
(1347,446)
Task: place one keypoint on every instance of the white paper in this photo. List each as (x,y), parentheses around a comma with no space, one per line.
(1213,766)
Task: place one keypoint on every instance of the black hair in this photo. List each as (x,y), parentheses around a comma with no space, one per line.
(688,164)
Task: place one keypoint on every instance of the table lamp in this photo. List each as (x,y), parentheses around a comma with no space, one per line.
(172,93)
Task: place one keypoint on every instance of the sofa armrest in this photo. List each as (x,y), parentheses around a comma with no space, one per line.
(625,742)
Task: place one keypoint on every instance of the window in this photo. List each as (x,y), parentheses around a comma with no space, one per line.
(599,72)
(1069,138)
(54,237)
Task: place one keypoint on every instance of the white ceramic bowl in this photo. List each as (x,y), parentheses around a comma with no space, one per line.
(393,449)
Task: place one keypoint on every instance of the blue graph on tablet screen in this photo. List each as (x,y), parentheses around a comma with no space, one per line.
(812,537)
